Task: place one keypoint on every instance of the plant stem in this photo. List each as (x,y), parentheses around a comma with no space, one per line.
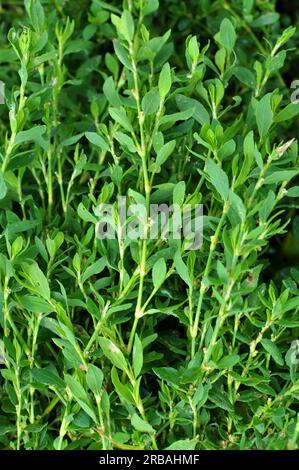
(147,188)
(204,286)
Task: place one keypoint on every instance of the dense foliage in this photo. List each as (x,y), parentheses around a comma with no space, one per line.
(146,344)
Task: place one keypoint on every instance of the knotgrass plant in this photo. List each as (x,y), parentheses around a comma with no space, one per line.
(125,343)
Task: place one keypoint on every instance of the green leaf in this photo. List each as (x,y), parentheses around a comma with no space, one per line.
(85,215)
(150,102)
(96,268)
(113,353)
(140,425)
(200,114)
(237,205)
(179,193)
(218,178)
(245,76)
(193,49)
(44,58)
(94,379)
(81,396)
(264,115)
(173,118)
(280,176)
(76,388)
(124,391)
(273,350)
(72,140)
(119,116)
(181,268)
(267,206)
(227,150)
(137,356)
(127,25)
(159,272)
(37,15)
(165,152)
(87,407)
(77,263)
(249,150)
(47,376)
(3,187)
(222,272)
(169,374)
(75,46)
(21,159)
(266,20)
(183,444)
(227,35)
(126,141)
(38,280)
(122,55)
(35,134)
(22,226)
(201,395)
(228,362)
(97,140)
(35,304)
(221,400)
(293,192)
(150,6)
(165,81)
(289,112)
(111,93)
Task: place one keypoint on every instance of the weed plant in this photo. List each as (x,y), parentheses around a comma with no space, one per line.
(123,343)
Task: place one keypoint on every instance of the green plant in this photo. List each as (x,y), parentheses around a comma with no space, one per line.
(143,343)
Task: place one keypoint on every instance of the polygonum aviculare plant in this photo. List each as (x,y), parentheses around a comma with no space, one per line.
(149,227)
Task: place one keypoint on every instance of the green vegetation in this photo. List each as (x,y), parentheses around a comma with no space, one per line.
(143,343)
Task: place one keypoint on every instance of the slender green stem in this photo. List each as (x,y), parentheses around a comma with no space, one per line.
(204,285)
(147,188)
